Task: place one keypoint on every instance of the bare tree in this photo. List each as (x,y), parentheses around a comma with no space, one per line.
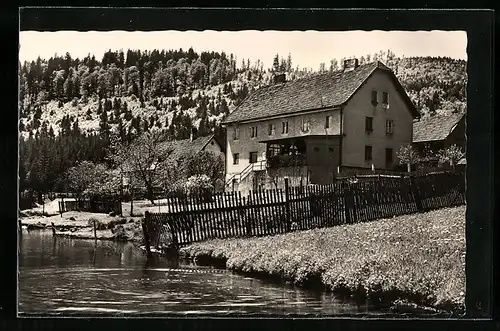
(143,159)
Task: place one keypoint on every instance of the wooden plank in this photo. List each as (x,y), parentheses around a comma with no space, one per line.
(272,199)
(269,226)
(220,217)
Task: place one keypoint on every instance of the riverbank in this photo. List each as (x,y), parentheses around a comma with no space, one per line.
(412,260)
(80,225)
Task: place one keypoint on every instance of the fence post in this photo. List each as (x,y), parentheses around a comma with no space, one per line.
(347,202)
(287,204)
(147,218)
(416,194)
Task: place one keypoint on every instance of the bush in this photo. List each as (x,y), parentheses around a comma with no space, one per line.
(112,224)
(98,224)
(198,185)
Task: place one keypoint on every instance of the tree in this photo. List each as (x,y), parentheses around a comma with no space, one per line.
(276,63)
(206,163)
(80,177)
(289,63)
(322,67)
(408,155)
(451,155)
(144,159)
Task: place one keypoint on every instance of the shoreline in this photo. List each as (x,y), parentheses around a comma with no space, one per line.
(397,302)
(78,225)
(412,262)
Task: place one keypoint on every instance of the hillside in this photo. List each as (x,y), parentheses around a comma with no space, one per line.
(70,109)
(202,87)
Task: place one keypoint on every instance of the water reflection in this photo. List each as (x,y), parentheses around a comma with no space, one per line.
(59,275)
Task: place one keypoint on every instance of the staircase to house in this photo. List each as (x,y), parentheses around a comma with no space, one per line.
(257,166)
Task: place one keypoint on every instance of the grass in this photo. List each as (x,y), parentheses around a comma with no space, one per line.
(419,257)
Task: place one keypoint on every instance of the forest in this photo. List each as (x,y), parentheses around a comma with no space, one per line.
(70,109)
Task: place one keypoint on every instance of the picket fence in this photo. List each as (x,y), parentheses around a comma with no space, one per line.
(268,212)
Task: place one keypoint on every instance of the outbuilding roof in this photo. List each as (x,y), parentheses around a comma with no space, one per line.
(435,128)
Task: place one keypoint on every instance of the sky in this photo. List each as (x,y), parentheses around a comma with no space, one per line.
(307,48)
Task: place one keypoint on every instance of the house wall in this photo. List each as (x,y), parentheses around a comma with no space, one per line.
(245,144)
(354,114)
(213,146)
(323,157)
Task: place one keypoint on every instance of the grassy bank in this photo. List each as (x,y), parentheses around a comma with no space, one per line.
(419,258)
(80,225)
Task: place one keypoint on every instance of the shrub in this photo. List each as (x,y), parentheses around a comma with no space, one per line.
(98,224)
(198,184)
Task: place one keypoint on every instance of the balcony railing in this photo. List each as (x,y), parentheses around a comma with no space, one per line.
(279,161)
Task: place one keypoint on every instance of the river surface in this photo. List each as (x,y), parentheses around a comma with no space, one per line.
(77,277)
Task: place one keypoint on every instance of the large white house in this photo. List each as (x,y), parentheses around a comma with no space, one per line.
(309,129)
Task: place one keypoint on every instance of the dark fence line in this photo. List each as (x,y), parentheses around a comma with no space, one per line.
(91,206)
(266,212)
(421,171)
(26,202)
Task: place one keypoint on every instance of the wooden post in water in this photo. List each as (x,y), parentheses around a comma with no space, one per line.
(20,227)
(95,232)
(145,232)
(53,229)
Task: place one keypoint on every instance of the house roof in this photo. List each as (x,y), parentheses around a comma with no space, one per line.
(181,147)
(435,128)
(310,93)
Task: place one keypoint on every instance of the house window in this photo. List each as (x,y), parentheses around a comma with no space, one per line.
(236,135)
(389,127)
(253,132)
(328,121)
(271,129)
(253,157)
(305,125)
(385,98)
(374,98)
(236,158)
(284,127)
(388,157)
(368,153)
(369,124)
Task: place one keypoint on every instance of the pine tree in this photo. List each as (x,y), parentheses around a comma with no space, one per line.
(276,63)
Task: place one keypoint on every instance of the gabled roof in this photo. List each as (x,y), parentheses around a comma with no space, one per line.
(178,148)
(435,128)
(186,146)
(310,93)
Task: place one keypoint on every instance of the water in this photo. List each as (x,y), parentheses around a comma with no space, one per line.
(73,276)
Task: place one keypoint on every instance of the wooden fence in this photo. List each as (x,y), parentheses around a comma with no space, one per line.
(91,206)
(267,212)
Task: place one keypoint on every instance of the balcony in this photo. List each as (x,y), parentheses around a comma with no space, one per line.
(282,161)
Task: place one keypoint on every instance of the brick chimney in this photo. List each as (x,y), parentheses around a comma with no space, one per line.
(279,78)
(350,64)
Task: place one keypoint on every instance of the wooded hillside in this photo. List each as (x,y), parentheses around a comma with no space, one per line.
(71,108)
